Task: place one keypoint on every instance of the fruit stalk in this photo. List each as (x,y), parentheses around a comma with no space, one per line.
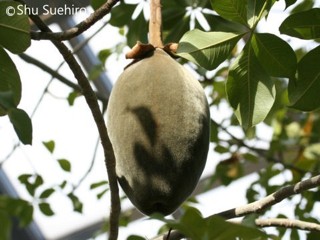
(155,24)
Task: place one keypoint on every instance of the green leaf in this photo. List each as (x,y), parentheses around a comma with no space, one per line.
(174,32)
(45,208)
(313,235)
(46,193)
(7,100)
(219,24)
(304,91)
(250,90)
(98,184)
(290,2)
(221,149)
(137,31)
(274,54)
(207,49)
(228,170)
(14,27)
(95,4)
(32,182)
(72,97)
(235,231)
(302,6)
(25,213)
(65,164)
(63,184)
(250,220)
(24,178)
(194,226)
(121,14)
(135,237)
(49,145)
(250,157)
(257,10)
(95,71)
(304,25)
(103,55)
(312,151)
(294,234)
(125,219)
(22,124)
(10,84)
(174,20)
(233,10)
(214,131)
(77,205)
(6,225)
(191,224)
(38,181)
(18,208)
(100,195)
(171,12)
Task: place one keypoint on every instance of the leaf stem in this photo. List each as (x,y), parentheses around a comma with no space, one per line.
(155,24)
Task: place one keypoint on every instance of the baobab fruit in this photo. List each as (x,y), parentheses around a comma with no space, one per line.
(158,123)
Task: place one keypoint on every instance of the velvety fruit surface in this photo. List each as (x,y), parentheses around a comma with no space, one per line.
(158,123)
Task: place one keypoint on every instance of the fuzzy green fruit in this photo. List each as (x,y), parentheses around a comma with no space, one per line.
(158,123)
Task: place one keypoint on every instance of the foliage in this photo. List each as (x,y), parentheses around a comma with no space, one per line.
(15,38)
(261,76)
(194,226)
(11,207)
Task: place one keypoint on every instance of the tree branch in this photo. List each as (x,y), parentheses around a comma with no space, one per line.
(287,223)
(272,199)
(270,222)
(91,100)
(107,147)
(79,28)
(261,205)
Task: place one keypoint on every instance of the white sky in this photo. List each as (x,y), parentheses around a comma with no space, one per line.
(75,135)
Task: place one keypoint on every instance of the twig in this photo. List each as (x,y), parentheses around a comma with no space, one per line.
(174,235)
(56,75)
(6,158)
(49,70)
(287,223)
(79,46)
(263,153)
(272,199)
(79,28)
(85,175)
(91,100)
(155,24)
